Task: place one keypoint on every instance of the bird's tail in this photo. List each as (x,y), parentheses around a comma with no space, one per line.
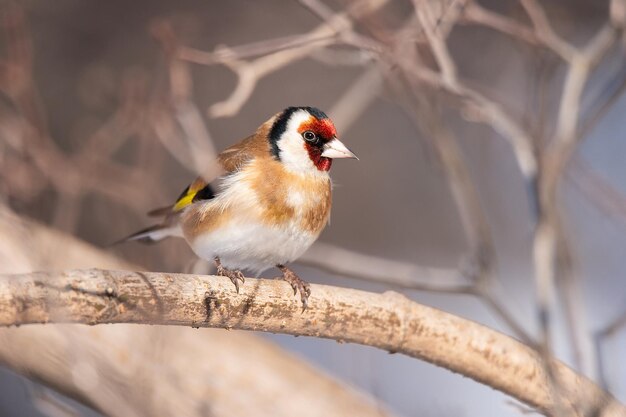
(151,234)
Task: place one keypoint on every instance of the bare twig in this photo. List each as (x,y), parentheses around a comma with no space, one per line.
(357,98)
(549,242)
(437,43)
(598,190)
(614,326)
(285,52)
(545,32)
(538,35)
(348,263)
(223,55)
(555,160)
(195,141)
(601,337)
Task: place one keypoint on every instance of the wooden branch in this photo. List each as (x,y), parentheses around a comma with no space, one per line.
(388,321)
(206,371)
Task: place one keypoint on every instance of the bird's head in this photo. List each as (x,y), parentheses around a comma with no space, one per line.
(305,140)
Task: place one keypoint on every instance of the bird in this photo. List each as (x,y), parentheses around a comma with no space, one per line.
(268,204)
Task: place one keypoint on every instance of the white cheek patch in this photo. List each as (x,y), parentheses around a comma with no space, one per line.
(293,153)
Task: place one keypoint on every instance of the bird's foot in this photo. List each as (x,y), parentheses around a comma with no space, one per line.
(235,275)
(297,283)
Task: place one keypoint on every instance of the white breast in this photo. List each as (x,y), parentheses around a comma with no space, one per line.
(253,246)
(244,241)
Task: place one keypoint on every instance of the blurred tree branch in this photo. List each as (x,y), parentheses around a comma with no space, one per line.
(388,321)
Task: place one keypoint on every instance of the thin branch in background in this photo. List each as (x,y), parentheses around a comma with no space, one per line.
(284,52)
(84,170)
(448,281)
(496,305)
(554,159)
(348,263)
(601,338)
(50,405)
(436,42)
(481,247)
(597,189)
(196,139)
(222,55)
(341,57)
(606,100)
(487,110)
(617,13)
(357,98)
(614,326)
(545,32)
(449,15)
(476,14)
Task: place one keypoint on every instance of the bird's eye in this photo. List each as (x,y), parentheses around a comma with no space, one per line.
(309,136)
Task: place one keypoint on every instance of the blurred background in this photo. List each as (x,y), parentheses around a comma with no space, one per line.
(109,109)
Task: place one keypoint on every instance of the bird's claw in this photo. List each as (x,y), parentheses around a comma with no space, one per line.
(298,284)
(235,275)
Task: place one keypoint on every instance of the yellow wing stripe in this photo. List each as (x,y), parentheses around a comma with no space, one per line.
(184,201)
(186,198)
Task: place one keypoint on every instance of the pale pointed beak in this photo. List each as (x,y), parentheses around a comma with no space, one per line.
(336,149)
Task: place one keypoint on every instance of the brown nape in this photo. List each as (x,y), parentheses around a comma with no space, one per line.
(254,146)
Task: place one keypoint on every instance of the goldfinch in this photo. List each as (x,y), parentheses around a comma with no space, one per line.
(270,203)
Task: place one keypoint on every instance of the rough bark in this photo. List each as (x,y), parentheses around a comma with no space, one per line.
(388,321)
(130,370)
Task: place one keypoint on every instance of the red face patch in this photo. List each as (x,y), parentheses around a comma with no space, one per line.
(324,129)
(315,153)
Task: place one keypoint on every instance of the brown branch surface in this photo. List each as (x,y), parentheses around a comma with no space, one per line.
(119,370)
(388,321)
